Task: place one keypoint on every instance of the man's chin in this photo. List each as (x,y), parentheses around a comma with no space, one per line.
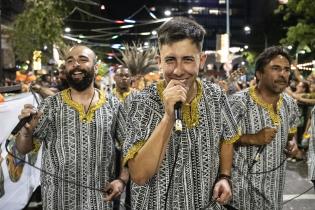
(279,90)
(79,88)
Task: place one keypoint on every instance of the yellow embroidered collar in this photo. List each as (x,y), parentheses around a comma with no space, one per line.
(84,117)
(120,96)
(190,112)
(275,117)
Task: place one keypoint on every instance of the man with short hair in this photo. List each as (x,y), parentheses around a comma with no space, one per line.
(79,127)
(190,169)
(268,119)
(122,80)
(123,92)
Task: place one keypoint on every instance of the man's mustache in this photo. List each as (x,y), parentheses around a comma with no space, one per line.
(282,81)
(77,70)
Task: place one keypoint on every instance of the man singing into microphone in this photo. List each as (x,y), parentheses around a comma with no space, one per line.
(268,119)
(190,169)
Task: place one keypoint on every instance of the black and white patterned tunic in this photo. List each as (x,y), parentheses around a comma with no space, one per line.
(252,188)
(311,149)
(79,148)
(197,165)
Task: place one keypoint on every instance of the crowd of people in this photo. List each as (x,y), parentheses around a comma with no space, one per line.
(229,151)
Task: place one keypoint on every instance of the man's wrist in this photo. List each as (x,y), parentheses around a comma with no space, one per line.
(124,182)
(226,177)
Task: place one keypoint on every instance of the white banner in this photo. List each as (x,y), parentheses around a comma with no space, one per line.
(19,180)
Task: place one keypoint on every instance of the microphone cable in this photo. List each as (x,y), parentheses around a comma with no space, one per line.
(268,171)
(34,94)
(256,159)
(60,179)
(48,173)
(284,203)
(172,172)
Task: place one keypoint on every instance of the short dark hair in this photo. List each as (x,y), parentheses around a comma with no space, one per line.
(267,55)
(179,28)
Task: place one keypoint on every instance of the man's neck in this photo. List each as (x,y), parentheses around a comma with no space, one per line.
(267,96)
(83,95)
(192,93)
(122,90)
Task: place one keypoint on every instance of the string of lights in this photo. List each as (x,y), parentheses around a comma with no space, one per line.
(309,66)
(110,33)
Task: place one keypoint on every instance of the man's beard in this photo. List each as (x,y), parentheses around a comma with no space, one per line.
(84,83)
(62,84)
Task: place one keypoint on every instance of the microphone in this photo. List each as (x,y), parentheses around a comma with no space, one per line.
(22,122)
(178,116)
(258,153)
(18,127)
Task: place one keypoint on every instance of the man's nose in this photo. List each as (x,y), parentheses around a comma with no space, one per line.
(284,73)
(76,63)
(178,70)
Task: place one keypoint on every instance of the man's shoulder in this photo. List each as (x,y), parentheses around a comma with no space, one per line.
(111,98)
(241,95)
(210,86)
(148,93)
(211,90)
(55,98)
(288,99)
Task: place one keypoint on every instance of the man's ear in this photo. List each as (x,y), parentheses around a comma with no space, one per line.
(258,75)
(95,69)
(203,58)
(158,59)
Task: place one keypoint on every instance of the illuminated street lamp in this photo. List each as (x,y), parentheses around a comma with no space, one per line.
(247,29)
(167,13)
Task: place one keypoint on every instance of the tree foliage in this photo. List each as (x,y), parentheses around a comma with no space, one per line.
(40,24)
(300,14)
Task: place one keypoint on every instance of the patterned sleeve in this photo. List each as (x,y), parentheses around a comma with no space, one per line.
(237,106)
(43,125)
(229,126)
(311,149)
(120,128)
(143,116)
(294,116)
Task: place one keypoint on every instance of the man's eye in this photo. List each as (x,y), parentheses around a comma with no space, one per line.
(169,60)
(275,68)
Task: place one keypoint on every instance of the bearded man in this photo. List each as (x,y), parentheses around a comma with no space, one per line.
(268,118)
(79,127)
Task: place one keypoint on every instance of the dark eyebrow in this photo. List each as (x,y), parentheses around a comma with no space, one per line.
(80,56)
(83,56)
(168,57)
(287,67)
(190,57)
(69,57)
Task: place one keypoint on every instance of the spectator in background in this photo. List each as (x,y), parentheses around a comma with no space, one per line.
(122,80)
(302,88)
(45,90)
(311,150)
